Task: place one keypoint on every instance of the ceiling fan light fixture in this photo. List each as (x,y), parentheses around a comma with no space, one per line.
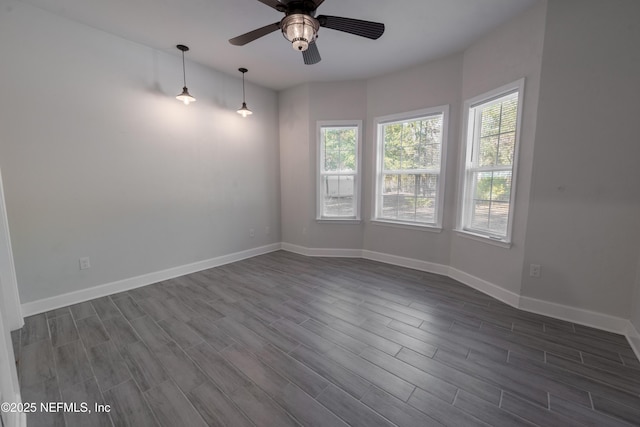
(300,30)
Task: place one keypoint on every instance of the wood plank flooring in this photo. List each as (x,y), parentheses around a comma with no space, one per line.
(286,340)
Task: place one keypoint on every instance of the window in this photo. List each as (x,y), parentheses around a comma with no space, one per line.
(410,164)
(492,132)
(338,177)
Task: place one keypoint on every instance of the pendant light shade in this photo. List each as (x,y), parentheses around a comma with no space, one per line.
(243,111)
(185,96)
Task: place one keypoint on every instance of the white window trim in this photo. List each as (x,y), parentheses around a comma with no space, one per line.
(406,225)
(357,185)
(484,239)
(467,134)
(378,122)
(338,220)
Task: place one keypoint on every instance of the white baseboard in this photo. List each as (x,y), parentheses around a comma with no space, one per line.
(296,249)
(374,256)
(322,252)
(571,314)
(633,336)
(495,291)
(580,316)
(575,315)
(413,263)
(46,304)
(563,312)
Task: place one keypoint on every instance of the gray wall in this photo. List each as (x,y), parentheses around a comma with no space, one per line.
(345,101)
(428,85)
(448,81)
(99,159)
(584,220)
(296,188)
(506,55)
(300,108)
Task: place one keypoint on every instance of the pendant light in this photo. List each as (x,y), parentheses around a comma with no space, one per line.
(244,111)
(184,96)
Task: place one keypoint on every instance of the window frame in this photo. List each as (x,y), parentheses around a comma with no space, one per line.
(379,123)
(468,145)
(320,173)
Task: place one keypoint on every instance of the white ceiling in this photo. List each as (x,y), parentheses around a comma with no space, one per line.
(416,31)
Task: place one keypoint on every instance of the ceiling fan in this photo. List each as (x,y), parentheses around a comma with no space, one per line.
(300,26)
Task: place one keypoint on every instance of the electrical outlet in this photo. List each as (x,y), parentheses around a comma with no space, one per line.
(85,263)
(534,270)
(252,232)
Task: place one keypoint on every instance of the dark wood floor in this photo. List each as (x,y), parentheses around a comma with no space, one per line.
(285,340)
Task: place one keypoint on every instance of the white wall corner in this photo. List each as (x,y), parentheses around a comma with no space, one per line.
(46,304)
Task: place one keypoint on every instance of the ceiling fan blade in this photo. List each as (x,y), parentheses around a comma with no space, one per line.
(273,3)
(318,2)
(311,55)
(255,34)
(368,29)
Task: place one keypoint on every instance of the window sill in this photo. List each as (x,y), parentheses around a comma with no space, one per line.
(338,221)
(407,225)
(485,239)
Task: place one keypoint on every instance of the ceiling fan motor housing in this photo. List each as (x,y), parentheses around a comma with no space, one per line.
(300,29)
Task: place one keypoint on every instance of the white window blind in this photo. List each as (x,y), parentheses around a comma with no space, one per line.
(489,175)
(338,177)
(410,160)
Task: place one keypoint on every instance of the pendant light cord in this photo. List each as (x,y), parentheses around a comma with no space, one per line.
(184,74)
(243,100)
